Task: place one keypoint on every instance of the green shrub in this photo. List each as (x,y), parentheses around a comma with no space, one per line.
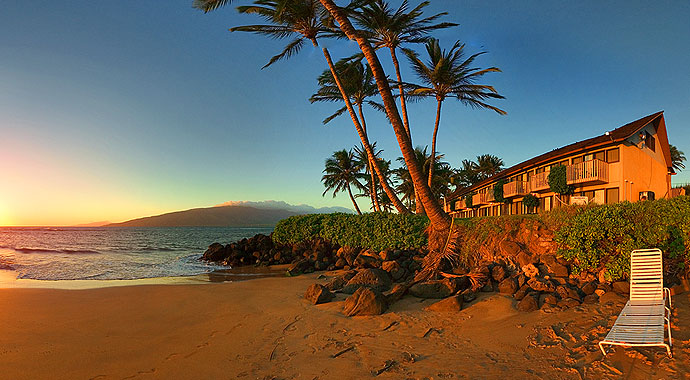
(558,182)
(468,200)
(604,235)
(530,201)
(498,190)
(375,231)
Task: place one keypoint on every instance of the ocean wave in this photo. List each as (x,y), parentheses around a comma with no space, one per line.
(43,250)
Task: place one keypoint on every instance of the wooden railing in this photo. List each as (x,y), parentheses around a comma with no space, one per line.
(489,195)
(479,199)
(515,188)
(539,182)
(588,171)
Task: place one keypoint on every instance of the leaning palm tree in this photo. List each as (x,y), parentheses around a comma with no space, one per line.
(449,74)
(439,220)
(342,172)
(677,158)
(389,28)
(301,20)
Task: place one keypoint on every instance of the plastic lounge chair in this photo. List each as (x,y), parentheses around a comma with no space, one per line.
(641,322)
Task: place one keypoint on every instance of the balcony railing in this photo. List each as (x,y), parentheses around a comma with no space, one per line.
(489,196)
(588,171)
(479,199)
(515,188)
(460,205)
(540,181)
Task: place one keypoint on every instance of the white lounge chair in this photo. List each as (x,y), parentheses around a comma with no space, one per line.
(641,322)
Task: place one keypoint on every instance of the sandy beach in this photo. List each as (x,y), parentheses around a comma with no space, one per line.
(264,329)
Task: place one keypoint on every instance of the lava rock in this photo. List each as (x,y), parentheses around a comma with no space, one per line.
(299,267)
(372,278)
(434,289)
(529,303)
(365,301)
(508,286)
(541,285)
(450,304)
(396,271)
(317,294)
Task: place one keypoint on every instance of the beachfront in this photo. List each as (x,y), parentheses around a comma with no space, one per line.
(264,329)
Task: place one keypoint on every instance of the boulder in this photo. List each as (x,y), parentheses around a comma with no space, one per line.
(508,286)
(372,278)
(468,295)
(498,273)
(530,270)
(522,292)
(389,254)
(551,299)
(553,267)
(365,301)
(591,298)
(529,303)
(349,254)
(340,263)
(215,252)
(434,289)
(317,294)
(339,282)
(396,271)
(510,248)
(589,288)
(600,292)
(299,267)
(525,258)
(450,304)
(541,285)
(566,292)
(568,303)
(621,287)
(368,259)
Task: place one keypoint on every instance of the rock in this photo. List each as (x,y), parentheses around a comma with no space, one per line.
(508,286)
(365,301)
(394,269)
(340,263)
(568,302)
(524,258)
(299,267)
(522,292)
(488,287)
(449,304)
(339,282)
(553,267)
(566,292)
(434,289)
(589,288)
(551,299)
(368,259)
(591,298)
(600,292)
(498,273)
(509,248)
(541,285)
(522,280)
(621,287)
(349,254)
(317,294)
(215,252)
(372,278)
(389,254)
(530,270)
(527,304)
(320,265)
(611,297)
(469,295)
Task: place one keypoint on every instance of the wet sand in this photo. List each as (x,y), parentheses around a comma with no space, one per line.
(264,329)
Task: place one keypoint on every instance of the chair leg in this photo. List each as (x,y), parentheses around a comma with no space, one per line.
(601,346)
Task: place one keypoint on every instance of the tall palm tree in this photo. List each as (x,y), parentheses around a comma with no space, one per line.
(441,179)
(342,172)
(358,83)
(302,20)
(488,165)
(439,220)
(449,74)
(677,158)
(389,28)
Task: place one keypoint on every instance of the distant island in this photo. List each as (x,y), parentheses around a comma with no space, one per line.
(229,214)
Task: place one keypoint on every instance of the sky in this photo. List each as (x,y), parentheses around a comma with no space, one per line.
(116,110)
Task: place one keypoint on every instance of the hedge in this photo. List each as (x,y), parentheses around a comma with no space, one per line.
(604,235)
(377,231)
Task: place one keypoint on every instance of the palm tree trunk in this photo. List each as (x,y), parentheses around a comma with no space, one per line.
(349,191)
(403,106)
(433,141)
(365,141)
(372,186)
(439,220)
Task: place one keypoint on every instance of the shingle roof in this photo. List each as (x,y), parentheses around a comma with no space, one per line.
(617,135)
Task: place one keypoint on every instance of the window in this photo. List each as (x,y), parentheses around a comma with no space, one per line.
(612,155)
(649,141)
(612,195)
(600,155)
(518,208)
(577,160)
(588,194)
(563,163)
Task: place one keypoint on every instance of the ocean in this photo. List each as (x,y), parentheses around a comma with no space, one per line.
(112,253)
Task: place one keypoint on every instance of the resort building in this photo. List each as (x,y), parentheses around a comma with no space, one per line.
(630,163)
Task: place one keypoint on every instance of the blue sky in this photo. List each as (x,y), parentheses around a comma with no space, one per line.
(114,110)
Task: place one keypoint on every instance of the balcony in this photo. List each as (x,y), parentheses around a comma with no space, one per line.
(592,171)
(460,205)
(515,189)
(539,182)
(489,196)
(480,199)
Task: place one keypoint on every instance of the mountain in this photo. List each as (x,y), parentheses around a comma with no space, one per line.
(237,214)
(93,224)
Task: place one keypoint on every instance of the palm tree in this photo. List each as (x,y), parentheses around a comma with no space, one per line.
(302,20)
(677,158)
(439,220)
(488,165)
(342,171)
(448,74)
(372,185)
(388,28)
(441,179)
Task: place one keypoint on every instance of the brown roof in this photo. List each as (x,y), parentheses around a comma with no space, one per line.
(617,135)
